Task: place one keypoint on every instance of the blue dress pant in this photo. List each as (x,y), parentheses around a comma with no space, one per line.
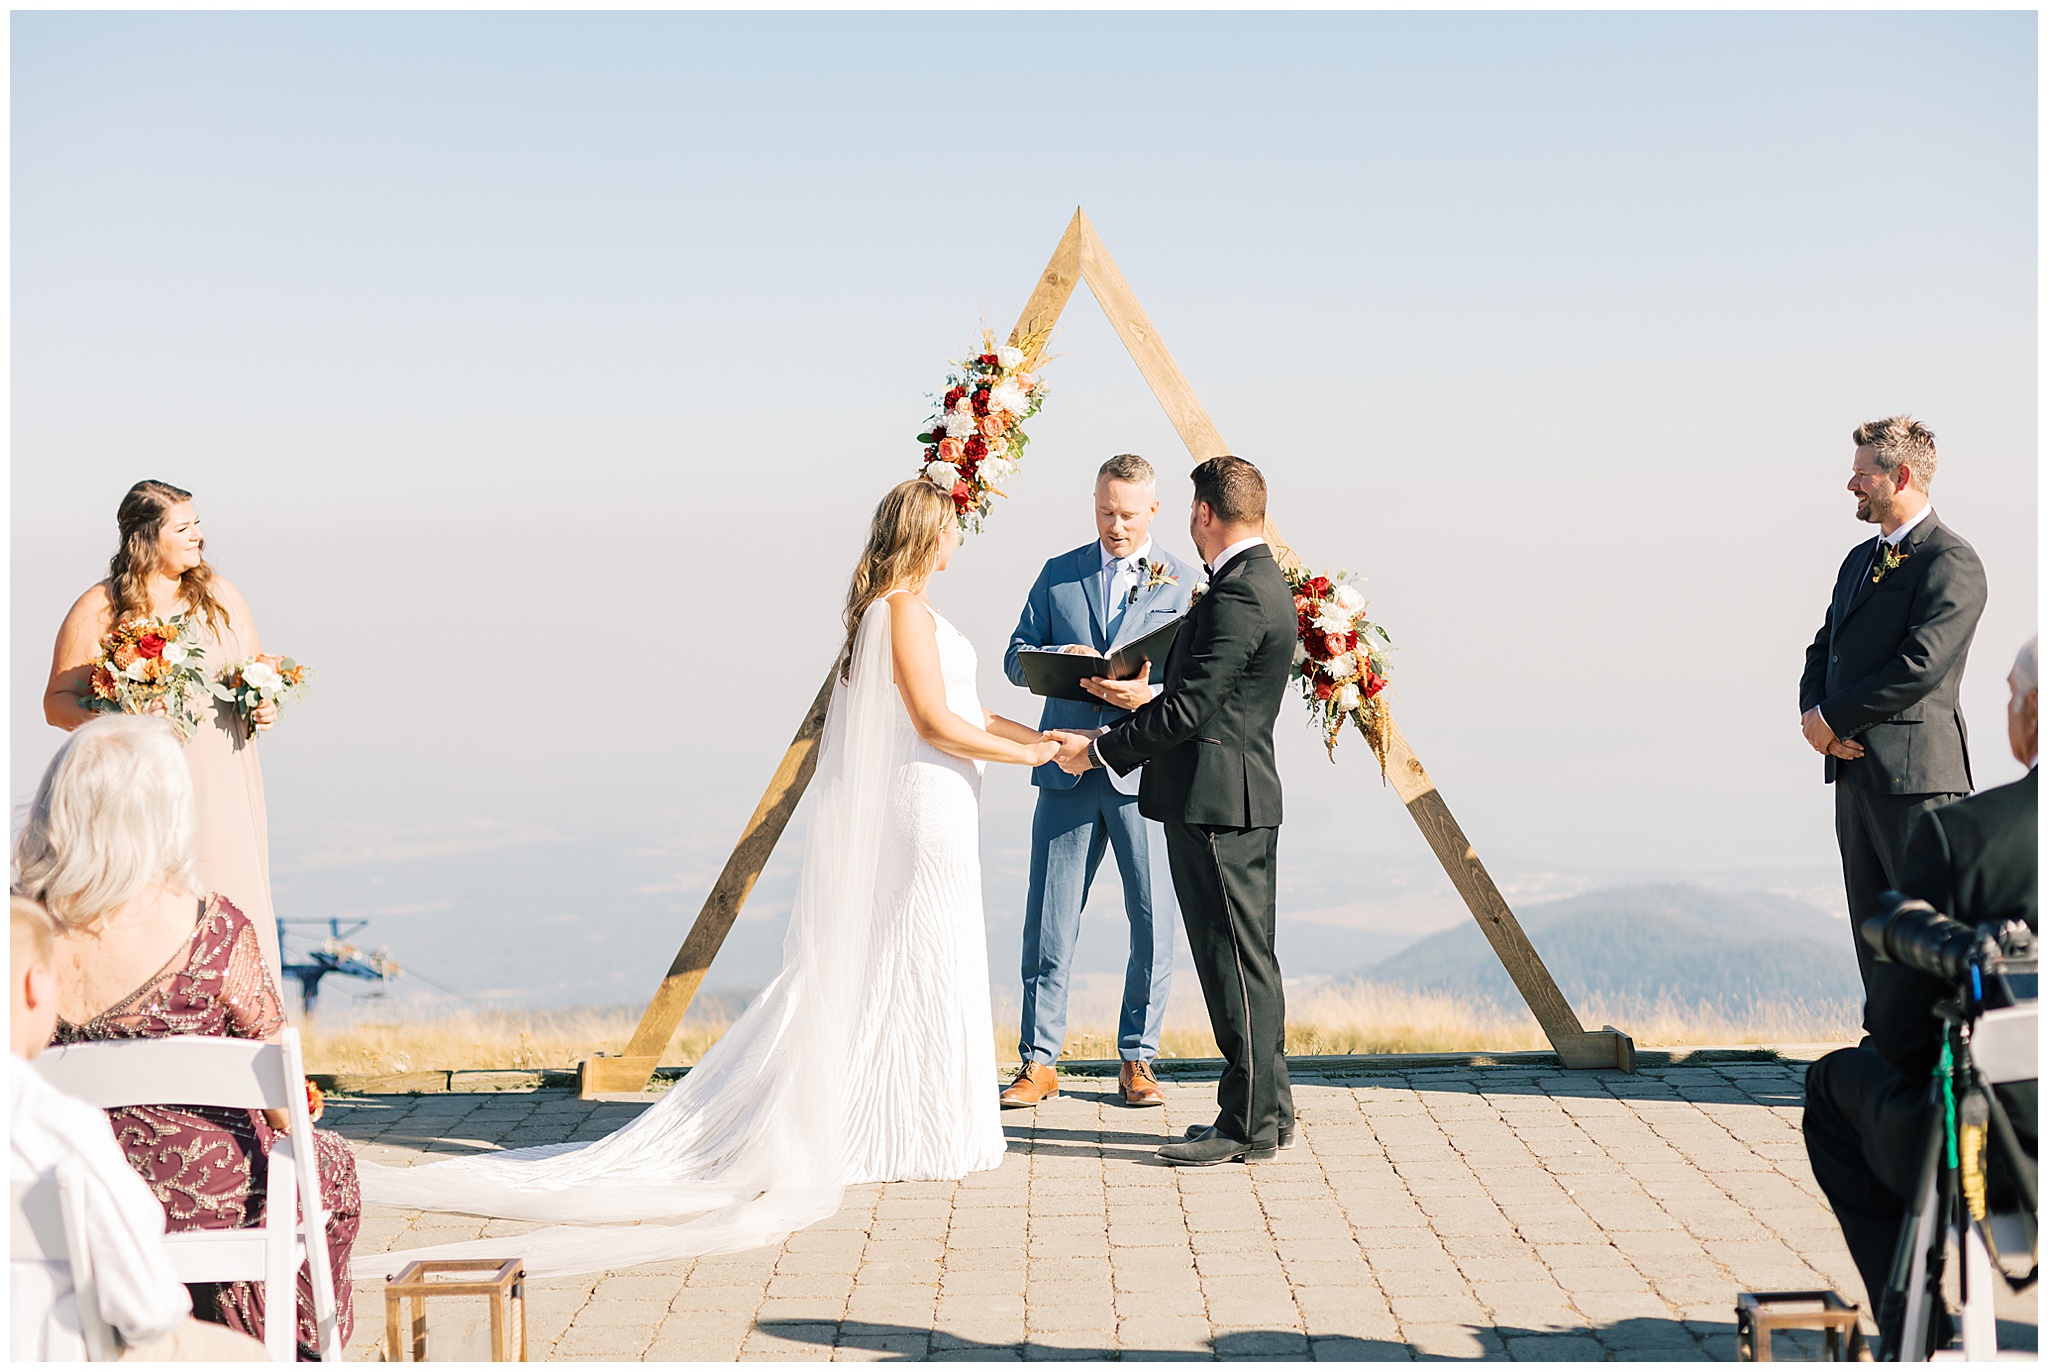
(1070,831)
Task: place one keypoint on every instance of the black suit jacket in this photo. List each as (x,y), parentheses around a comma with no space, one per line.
(1976,860)
(1887,665)
(1206,741)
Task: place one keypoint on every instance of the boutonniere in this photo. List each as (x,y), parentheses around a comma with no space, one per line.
(1156,576)
(1890,557)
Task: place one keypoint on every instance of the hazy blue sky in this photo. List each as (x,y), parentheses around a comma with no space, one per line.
(536,374)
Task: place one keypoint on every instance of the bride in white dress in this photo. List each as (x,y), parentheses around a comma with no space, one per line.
(871,1056)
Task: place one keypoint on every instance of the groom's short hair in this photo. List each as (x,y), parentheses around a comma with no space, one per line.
(1128,467)
(1232,489)
(1901,438)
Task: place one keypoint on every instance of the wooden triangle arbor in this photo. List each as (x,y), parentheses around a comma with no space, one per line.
(1081,257)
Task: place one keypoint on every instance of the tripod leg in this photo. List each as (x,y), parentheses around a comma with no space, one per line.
(1980,1320)
(1922,1229)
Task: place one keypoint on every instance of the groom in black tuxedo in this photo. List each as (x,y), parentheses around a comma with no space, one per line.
(1206,744)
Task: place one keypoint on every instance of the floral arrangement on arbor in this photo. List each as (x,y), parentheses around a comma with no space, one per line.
(1341,657)
(977,437)
(150,667)
(263,679)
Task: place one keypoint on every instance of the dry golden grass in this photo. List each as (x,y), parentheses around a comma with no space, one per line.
(1348,1017)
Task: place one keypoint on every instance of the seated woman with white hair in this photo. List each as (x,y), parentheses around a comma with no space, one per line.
(140,953)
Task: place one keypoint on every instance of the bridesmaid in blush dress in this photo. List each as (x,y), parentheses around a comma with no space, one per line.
(160,569)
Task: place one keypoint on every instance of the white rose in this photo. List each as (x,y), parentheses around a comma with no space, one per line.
(1349,598)
(994,469)
(1300,653)
(1341,666)
(1346,699)
(962,424)
(1009,398)
(1011,358)
(942,474)
(262,676)
(1332,619)
(176,653)
(136,670)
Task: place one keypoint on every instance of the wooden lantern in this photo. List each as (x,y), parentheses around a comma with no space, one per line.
(502,1284)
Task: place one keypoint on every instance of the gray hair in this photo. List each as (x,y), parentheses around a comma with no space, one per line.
(2026,676)
(113,815)
(1128,467)
(1901,438)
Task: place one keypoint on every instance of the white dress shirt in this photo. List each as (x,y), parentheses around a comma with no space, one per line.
(1898,535)
(1232,551)
(140,1295)
(1119,579)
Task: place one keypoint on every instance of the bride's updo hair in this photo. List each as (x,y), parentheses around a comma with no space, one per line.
(141,522)
(903,545)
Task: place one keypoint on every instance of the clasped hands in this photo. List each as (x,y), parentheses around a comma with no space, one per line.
(1073,754)
(1821,737)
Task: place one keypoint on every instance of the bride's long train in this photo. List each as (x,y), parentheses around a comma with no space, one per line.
(869,1057)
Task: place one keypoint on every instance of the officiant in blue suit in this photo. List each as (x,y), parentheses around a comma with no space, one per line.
(1095,599)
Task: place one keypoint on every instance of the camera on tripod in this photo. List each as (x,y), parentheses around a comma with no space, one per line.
(1978,1184)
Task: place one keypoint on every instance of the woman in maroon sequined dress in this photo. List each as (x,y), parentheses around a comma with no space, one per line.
(114,810)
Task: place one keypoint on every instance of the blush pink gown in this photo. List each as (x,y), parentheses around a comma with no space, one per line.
(233,839)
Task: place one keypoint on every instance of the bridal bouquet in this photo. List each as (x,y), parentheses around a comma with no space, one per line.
(1342,669)
(151,666)
(261,679)
(977,437)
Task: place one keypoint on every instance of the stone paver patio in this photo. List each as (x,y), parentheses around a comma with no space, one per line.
(1505,1211)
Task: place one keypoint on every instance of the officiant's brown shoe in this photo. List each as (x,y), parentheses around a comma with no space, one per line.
(1139,1086)
(1034,1082)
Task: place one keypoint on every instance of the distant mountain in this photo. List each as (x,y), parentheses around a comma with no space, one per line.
(1683,945)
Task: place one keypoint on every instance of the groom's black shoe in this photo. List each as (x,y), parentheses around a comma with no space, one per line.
(1196,1131)
(1209,1148)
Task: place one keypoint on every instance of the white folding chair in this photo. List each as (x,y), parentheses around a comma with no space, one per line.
(190,1069)
(49,1226)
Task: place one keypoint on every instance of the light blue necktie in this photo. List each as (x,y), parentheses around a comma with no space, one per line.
(1116,601)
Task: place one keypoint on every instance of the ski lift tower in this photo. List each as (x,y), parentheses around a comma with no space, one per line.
(334,957)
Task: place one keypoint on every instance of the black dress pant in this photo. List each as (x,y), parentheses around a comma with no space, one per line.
(1871,828)
(1224,879)
(1866,1137)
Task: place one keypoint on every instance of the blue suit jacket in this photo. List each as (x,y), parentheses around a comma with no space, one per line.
(1065,606)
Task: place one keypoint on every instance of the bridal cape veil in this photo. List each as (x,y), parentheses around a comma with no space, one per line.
(751,1144)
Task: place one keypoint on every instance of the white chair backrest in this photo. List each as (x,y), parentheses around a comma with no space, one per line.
(184,1069)
(48,1225)
(2006,1043)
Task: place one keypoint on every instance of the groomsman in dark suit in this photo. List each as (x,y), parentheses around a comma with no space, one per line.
(1879,694)
(1206,744)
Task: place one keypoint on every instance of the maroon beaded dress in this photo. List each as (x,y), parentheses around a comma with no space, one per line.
(199,1159)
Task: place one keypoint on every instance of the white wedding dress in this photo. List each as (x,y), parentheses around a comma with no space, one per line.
(870,1057)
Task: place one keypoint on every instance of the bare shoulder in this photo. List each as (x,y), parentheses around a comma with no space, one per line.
(229,595)
(91,609)
(908,608)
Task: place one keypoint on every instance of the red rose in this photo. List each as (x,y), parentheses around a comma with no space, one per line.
(980,402)
(150,645)
(1324,689)
(976,448)
(1374,683)
(963,495)
(1319,586)
(1350,640)
(990,360)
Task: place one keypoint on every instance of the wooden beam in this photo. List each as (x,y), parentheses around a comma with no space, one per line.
(1141,340)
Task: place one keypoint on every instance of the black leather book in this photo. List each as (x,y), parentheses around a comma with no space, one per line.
(1049,672)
